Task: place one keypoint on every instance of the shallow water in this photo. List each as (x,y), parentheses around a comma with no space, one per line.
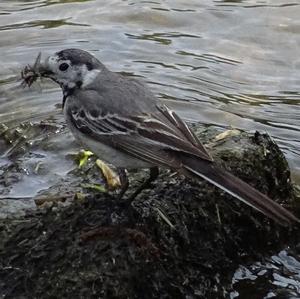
(277,277)
(228,63)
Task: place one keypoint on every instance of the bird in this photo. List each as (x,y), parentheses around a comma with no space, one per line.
(120,120)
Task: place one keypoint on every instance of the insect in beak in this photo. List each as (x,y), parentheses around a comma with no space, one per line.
(31,73)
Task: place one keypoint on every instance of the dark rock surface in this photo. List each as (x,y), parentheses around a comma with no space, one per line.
(180,239)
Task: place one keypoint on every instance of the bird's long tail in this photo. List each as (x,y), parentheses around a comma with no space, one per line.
(236,187)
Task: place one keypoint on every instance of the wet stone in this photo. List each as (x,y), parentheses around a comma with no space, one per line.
(180,239)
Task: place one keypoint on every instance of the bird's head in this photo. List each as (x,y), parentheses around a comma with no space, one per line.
(71,68)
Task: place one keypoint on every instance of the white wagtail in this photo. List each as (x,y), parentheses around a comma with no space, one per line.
(121,121)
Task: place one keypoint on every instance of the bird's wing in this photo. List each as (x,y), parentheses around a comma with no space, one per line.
(151,137)
(185,130)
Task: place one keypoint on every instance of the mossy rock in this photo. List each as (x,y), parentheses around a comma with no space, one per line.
(179,239)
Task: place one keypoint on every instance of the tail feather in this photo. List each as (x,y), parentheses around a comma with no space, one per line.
(237,188)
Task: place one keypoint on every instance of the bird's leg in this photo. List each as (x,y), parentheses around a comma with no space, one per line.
(123,180)
(154,172)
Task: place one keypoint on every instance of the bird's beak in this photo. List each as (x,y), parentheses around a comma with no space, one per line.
(42,67)
(44,72)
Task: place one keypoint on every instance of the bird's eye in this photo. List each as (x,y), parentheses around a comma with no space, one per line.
(63,67)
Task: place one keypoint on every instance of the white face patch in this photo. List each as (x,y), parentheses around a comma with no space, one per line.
(73,74)
(88,76)
(53,64)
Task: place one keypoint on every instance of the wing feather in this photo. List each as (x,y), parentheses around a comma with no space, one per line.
(150,137)
(185,130)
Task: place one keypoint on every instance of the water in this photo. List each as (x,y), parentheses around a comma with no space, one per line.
(230,63)
(227,63)
(277,277)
